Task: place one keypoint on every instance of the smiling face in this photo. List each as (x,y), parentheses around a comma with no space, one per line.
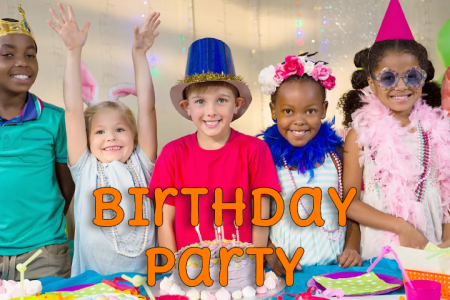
(402,98)
(18,63)
(212,110)
(299,109)
(110,136)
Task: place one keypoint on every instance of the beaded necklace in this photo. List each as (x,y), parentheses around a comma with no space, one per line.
(103,181)
(324,231)
(425,159)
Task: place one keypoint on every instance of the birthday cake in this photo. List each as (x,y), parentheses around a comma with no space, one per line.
(11,289)
(241,274)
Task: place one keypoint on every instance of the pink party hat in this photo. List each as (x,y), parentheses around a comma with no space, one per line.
(394,25)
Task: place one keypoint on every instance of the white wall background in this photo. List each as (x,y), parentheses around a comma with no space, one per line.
(259,32)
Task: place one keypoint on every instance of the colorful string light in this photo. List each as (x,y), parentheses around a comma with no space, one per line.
(299,32)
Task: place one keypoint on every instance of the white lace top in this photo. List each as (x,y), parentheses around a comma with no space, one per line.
(372,240)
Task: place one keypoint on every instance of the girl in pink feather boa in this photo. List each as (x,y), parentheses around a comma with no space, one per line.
(106,148)
(399,145)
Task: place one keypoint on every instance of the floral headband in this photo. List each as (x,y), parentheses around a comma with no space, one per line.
(271,77)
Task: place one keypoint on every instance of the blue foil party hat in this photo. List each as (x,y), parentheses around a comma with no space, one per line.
(210,59)
(209,56)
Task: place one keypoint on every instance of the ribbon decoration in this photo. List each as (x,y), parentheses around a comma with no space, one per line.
(307,295)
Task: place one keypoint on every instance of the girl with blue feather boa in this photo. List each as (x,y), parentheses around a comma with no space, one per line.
(306,153)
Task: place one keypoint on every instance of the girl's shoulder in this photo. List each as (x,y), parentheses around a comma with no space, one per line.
(433,119)
(141,160)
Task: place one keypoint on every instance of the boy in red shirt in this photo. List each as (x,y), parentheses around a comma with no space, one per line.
(216,156)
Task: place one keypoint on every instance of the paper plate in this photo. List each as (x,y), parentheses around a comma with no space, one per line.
(92,297)
(75,287)
(270,294)
(339,275)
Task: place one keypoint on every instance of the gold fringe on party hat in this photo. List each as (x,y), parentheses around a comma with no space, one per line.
(20,27)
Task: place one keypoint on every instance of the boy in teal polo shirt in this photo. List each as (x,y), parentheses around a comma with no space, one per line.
(35,183)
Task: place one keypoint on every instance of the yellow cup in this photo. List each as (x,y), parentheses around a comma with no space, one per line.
(27,298)
(46,297)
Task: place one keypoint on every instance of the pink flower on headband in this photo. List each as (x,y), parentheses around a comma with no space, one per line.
(279,74)
(293,66)
(330,83)
(270,78)
(321,72)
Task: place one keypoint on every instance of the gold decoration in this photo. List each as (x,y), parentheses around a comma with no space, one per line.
(210,77)
(21,27)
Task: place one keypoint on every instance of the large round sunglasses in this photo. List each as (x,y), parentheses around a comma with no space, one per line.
(388,79)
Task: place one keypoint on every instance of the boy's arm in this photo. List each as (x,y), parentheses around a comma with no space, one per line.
(74,40)
(143,40)
(166,232)
(163,178)
(273,261)
(260,235)
(65,182)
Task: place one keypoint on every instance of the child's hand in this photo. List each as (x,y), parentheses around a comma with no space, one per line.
(144,38)
(349,258)
(445,245)
(68,28)
(276,265)
(410,237)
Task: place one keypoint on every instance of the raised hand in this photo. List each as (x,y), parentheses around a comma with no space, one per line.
(67,28)
(145,37)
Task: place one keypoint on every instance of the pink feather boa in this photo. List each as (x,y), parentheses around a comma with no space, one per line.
(397,166)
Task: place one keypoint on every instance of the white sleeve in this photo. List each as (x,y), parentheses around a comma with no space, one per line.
(77,169)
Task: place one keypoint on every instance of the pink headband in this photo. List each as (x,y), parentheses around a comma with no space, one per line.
(271,77)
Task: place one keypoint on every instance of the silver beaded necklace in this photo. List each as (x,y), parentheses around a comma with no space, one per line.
(103,181)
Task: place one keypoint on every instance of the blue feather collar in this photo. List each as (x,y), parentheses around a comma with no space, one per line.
(303,158)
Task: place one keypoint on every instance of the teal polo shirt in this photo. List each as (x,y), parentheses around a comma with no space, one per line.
(31,214)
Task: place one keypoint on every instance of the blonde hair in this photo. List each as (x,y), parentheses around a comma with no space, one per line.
(120,107)
(205,87)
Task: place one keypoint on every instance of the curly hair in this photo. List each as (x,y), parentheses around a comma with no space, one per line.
(365,61)
(297,78)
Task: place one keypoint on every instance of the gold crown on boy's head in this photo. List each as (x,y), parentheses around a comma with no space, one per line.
(20,27)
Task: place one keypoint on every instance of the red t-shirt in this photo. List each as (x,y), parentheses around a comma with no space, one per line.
(244,162)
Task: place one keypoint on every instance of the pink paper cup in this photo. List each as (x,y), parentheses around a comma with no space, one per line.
(423,289)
